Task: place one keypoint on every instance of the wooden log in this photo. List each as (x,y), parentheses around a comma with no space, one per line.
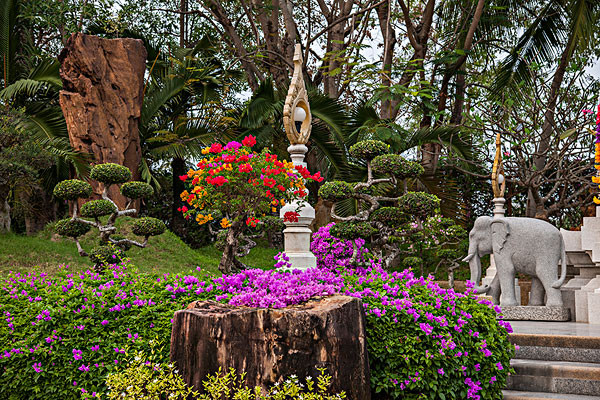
(270,345)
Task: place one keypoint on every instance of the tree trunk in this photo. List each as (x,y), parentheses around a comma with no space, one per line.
(4,215)
(178,168)
(539,158)
(103,83)
(269,345)
(228,261)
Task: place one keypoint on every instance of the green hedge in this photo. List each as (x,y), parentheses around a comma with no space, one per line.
(369,149)
(148,226)
(72,189)
(71,228)
(136,190)
(98,208)
(110,173)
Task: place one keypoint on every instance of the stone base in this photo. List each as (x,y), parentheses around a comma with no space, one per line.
(301,261)
(536,313)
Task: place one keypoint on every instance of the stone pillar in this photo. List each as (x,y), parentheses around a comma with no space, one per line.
(594,307)
(297,235)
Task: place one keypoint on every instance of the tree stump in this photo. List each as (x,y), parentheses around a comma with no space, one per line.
(103,87)
(270,345)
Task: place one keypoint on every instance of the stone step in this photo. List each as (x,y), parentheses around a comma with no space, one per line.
(519,395)
(570,348)
(555,377)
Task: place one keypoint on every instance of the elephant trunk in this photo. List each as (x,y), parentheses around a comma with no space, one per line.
(475,267)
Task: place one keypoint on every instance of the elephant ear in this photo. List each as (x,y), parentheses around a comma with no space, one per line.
(500,232)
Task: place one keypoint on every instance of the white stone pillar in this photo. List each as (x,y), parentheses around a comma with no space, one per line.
(297,235)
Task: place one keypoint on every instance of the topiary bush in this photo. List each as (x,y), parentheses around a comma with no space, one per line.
(386,212)
(353,230)
(136,190)
(419,203)
(71,228)
(110,173)
(396,165)
(369,149)
(148,226)
(104,255)
(336,191)
(72,189)
(98,208)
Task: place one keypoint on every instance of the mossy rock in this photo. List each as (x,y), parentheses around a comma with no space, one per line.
(419,204)
(395,164)
(352,230)
(369,149)
(110,173)
(136,190)
(71,228)
(72,189)
(98,208)
(148,226)
(336,191)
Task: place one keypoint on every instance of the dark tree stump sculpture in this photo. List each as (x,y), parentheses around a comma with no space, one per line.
(103,85)
(272,344)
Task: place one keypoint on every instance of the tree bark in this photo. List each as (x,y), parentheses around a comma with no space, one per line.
(270,345)
(178,168)
(103,83)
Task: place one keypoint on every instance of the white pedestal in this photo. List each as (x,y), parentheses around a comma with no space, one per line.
(297,235)
(594,307)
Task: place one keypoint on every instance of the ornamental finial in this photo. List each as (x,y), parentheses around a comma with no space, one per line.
(296,111)
(498,179)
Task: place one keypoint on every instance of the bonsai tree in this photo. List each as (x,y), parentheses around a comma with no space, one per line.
(388,214)
(91,212)
(237,188)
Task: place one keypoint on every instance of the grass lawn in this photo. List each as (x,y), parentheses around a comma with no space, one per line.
(165,253)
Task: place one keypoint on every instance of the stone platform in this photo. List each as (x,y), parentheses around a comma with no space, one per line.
(554,361)
(536,313)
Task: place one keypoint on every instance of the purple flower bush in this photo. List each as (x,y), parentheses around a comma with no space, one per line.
(332,252)
(62,335)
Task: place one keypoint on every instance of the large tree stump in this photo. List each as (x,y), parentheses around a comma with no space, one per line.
(272,344)
(103,85)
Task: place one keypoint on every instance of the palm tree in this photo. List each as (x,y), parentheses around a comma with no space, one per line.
(561,28)
(181,113)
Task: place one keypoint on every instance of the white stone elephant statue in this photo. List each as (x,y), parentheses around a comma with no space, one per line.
(525,245)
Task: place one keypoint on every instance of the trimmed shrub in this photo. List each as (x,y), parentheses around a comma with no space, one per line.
(395,164)
(72,189)
(392,216)
(369,149)
(419,203)
(71,228)
(110,173)
(353,230)
(106,254)
(336,191)
(148,226)
(272,224)
(136,190)
(98,208)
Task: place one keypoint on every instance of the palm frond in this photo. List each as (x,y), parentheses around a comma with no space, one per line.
(158,98)
(537,44)
(450,136)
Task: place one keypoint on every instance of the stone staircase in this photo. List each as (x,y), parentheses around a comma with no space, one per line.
(555,367)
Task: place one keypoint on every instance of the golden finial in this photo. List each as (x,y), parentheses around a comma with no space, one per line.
(296,111)
(498,178)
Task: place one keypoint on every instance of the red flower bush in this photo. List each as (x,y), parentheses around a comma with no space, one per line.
(243,186)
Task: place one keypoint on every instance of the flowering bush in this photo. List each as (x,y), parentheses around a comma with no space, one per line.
(241,185)
(332,252)
(61,336)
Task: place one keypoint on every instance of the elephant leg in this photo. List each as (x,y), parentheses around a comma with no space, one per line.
(536,295)
(494,291)
(553,296)
(506,275)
